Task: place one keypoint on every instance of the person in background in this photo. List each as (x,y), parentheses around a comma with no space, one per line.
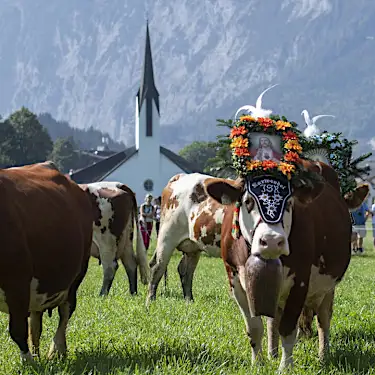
(146,218)
(157,203)
(359,224)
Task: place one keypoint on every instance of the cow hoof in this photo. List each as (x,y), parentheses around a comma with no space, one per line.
(285,367)
(27,358)
(58,351)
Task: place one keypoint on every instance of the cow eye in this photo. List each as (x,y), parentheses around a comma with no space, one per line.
(249,203)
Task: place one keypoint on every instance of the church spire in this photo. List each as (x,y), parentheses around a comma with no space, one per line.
(147,90)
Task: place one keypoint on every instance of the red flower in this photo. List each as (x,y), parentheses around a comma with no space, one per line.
(268,164)
(266,122)
(289,135)
(291,156)
(240,130)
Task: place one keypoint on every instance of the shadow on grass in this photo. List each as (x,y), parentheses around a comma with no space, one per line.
(108,359)
(351,352)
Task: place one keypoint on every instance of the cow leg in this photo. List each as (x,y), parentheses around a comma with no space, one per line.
(254,325)
(289,320)
(110,267)
(186,269)
(152,264)
(18,307)
(35,331)
(273,335)
(59,341)
(163,256)
(324,315)
(287,343)
(130,264)
(305,323)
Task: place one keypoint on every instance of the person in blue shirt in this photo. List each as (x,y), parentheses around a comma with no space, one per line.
(359,217)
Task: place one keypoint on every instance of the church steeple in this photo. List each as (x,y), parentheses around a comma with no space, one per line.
(148,93)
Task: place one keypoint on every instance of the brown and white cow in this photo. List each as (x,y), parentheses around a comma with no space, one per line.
(46,234)
(116,211)
(312,241)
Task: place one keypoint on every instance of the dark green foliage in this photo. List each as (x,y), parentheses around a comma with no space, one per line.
(221,165)
(198,153)
(85,139)
(64,154)
(340,153)
(24,140)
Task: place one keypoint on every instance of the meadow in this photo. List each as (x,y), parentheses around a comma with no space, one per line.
(116,335)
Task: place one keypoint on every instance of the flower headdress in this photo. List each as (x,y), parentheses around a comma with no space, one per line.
(338,152)
(266,151)
(279,132)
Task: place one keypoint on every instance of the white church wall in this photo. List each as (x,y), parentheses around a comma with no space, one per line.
(135,171)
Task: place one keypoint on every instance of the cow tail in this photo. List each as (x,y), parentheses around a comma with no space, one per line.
(140,250)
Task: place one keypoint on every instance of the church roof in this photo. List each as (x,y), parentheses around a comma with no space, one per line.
(103,168)
(99,170)
(147,89)
(182,163)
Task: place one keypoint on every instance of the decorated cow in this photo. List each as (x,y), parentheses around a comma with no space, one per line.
(283,231)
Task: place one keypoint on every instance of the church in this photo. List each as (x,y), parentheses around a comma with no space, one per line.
(147,166)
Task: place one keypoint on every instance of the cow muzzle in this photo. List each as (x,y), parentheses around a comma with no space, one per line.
(270,245)
(263,278)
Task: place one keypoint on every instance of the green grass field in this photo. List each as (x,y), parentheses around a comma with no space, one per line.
(117,336)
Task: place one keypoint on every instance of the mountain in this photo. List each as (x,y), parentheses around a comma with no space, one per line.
(81,61)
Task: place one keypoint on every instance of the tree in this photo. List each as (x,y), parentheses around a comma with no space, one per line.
(64,154)
(31,142)
(198,153)
(7,143)
(221,164)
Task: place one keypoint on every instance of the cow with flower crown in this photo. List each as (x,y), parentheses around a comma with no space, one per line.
(282,231)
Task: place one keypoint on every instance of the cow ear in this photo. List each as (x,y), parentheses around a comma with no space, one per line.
(355,198)
(224,192)
(306,193)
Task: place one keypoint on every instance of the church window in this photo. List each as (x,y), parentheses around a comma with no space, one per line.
(148,185)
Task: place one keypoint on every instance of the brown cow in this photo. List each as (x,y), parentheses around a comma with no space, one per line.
(116,211)
(318,256)
(46,239)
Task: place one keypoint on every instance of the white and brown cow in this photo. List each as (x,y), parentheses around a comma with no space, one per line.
(116,211)
(308,251)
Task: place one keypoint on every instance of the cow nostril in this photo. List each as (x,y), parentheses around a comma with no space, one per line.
(262,242)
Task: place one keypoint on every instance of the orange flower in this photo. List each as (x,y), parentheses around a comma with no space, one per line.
(268,164)
(293,144)
(240,130)
(289,135)
(291,156)
(239,151)
(239,142)
(282,125)
(286,169)
(266,122)
(247,118)
(253,164)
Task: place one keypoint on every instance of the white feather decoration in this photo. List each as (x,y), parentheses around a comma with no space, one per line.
(311,128)
(256,111)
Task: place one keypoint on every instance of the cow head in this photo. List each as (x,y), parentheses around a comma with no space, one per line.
(261,275)
(266,240)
